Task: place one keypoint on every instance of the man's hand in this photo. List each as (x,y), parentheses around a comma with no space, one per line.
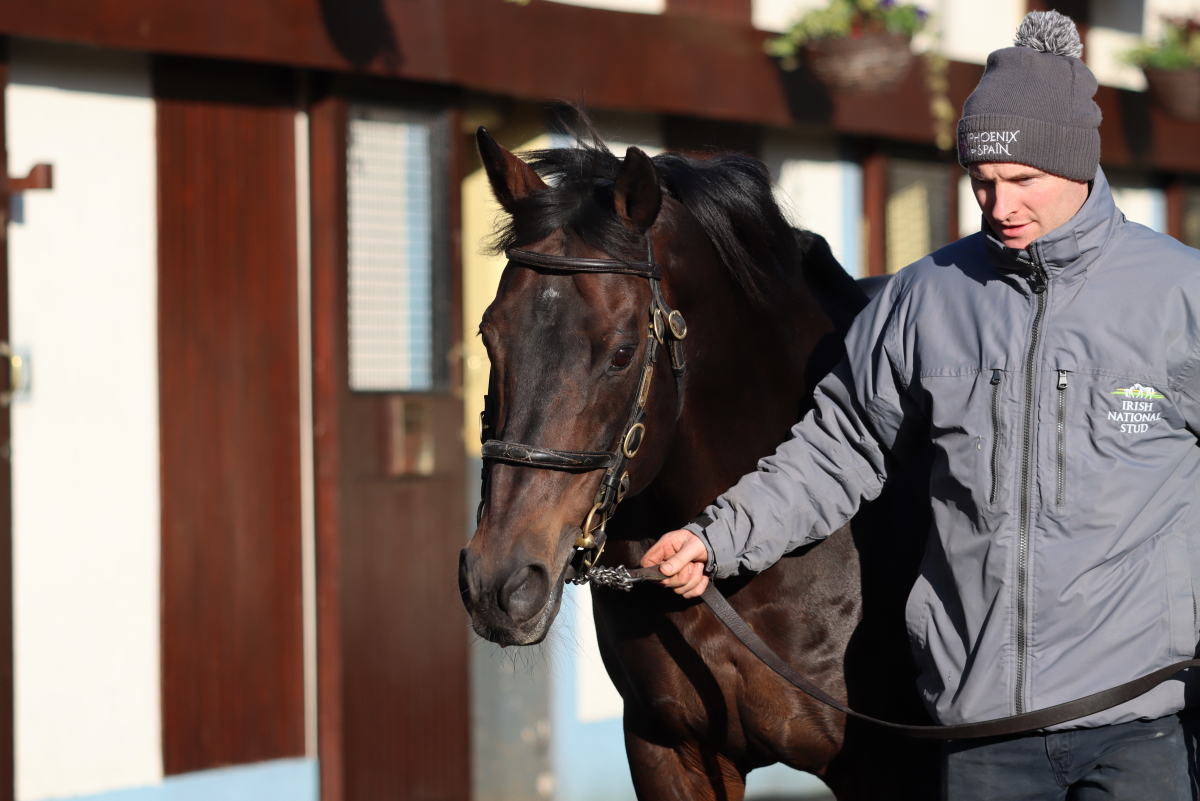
(681,556)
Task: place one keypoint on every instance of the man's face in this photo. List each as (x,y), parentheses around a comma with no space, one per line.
(1023,203)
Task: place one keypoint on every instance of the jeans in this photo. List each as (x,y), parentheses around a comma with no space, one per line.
(1144,760)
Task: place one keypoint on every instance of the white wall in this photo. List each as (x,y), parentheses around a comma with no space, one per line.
(85,441)
(969,216)
(778,15)
(641,6)
(1118,25)
(818,190)
(1139,200)
(971,29)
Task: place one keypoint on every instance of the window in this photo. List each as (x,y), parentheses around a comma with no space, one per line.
(398,252)
(918,211)
(1191,217)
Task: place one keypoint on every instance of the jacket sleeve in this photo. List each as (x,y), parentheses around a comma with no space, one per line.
(837,456)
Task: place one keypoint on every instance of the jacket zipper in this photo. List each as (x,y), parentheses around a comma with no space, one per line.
(996,377)
(1038,285)
(1060,496)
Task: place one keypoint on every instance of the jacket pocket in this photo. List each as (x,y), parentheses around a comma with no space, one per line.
(1060,435)
(1181,602)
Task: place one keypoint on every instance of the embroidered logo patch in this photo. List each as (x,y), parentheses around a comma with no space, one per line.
(989,143)
(1137,413)
(1138,391)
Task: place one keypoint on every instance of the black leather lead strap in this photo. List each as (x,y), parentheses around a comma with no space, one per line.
(1017,724)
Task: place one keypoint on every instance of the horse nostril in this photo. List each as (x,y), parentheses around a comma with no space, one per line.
(524,593)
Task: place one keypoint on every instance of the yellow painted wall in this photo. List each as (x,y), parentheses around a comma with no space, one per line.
(481,275)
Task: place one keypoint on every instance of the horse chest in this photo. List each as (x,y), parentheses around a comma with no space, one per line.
(680,671)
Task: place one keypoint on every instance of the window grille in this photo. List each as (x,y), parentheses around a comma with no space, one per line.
(918,211)
(1191,217)
(397,249)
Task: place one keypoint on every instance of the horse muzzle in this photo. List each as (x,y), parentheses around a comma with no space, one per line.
(511,606)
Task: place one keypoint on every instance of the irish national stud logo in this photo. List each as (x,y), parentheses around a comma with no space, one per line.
(1138,391)
(1137,410)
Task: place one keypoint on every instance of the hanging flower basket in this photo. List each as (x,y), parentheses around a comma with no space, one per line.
(869,63)
(853,45)
(1172,66)
(1176,91)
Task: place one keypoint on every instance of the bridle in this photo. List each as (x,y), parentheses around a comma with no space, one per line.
(666,328)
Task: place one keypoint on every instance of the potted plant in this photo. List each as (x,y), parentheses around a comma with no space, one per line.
(1172,67)
(853,45)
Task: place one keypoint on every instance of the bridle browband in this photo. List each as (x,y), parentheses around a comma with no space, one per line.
(666,328)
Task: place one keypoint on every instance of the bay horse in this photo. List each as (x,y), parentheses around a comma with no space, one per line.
(766,309)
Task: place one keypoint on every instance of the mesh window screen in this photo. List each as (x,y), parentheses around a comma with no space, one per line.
(918,211)
(1191,217)
(396,177)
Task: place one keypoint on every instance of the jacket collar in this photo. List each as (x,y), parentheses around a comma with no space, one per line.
(1072,247)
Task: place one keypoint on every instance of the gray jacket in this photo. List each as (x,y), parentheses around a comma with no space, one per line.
(1060,387)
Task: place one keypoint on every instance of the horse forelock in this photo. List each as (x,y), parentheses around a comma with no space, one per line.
(730,194)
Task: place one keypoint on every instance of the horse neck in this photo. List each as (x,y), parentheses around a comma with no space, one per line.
(746,388)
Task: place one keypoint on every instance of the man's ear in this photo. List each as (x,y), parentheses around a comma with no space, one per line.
(636,194)
(511,178)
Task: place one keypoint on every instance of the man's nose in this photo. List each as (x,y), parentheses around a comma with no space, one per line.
(1003,201)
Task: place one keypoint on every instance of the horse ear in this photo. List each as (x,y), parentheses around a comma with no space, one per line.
(511,178)
(636,195)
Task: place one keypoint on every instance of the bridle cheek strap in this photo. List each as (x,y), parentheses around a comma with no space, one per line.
(666,328)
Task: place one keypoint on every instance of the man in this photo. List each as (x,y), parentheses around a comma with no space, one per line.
(1053,359)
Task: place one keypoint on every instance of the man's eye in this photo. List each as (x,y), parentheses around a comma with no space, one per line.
(623,357)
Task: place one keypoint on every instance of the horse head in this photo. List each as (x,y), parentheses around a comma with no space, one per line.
(568,350)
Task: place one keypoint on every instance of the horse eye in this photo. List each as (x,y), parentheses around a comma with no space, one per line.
(623,357)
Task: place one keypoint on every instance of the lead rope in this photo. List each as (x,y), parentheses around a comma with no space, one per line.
(622,578)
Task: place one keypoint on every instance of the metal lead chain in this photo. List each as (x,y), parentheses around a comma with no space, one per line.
(615,578)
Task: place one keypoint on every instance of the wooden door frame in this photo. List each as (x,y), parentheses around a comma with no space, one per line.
(328,110)
(7,773)
(327,204)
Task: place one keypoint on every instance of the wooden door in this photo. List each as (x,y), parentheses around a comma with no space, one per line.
(390,465)
(232,662)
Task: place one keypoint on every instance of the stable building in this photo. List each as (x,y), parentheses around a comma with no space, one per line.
(242,271)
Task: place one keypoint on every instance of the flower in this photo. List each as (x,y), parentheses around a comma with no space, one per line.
(848,18)
(1178,48)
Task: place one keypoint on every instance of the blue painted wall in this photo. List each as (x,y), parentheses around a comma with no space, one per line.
(277,780)
(588,758)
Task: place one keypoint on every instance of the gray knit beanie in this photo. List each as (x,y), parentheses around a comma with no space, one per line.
(1034,104)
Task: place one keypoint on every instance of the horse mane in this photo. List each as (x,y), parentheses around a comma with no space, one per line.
(730,194)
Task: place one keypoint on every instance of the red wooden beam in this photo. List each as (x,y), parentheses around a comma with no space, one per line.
(737,12)
(690,62)
(1176,198)
(875,190)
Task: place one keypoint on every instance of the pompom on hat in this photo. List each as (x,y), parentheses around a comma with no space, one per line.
(1034,104)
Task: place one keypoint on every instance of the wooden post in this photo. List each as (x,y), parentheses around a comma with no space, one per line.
(327,125)
(1176,194)
(875,188)
(953,174)
(7,786)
